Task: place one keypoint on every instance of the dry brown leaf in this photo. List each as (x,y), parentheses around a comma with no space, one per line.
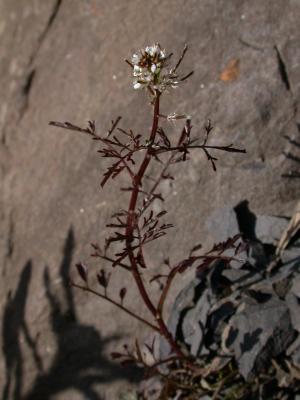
(231,71)
(290,231)
(294,370)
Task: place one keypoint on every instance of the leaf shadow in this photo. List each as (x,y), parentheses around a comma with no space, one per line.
(79,362)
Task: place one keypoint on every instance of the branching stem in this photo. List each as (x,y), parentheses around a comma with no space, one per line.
(228,148)
(131,225)
(110,300)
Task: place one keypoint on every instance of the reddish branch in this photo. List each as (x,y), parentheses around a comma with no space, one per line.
(119,305)
(131,225)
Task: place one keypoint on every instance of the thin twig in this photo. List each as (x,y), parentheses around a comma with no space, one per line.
(166,288)
(127,267)
(72,127)
(185,131)
(228,148)
(114,125)
(110,300)
(181,58)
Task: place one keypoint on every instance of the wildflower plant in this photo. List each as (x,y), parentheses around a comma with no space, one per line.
(136,225)
(150,70)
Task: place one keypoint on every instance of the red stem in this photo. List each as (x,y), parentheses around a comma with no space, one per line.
(131,219)
(131,224)
(105,297)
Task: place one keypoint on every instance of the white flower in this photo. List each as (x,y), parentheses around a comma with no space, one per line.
(162,54)
(149,70)
(153,68)
(137,70)
(152,50)
(137,85)
(135,59)
(149,50)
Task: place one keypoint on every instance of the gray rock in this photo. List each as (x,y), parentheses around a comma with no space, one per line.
(194,324)
(184,301)
(296,357)
(294,307)
(247,314)
(291,254)
(252,328)
(269,229)
(295,286)
(295,346)
(222,224)
(221,313)
(242,277)
(257,255)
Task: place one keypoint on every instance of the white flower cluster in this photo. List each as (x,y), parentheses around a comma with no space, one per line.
(148,69)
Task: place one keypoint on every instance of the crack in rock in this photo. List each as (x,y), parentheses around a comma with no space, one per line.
(282,70)
(25,93)
(43,35)
(10,239)
(32,73)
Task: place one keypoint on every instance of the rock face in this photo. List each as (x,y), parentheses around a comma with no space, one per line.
(63,60)
(247,312)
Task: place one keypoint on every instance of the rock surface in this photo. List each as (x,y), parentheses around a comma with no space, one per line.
(251,320)
(63,60)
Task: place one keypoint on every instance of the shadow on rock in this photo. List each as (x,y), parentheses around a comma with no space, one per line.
(78,363)
(250,340)
(292,155)
(246,220)
(260,252)
(13,327)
